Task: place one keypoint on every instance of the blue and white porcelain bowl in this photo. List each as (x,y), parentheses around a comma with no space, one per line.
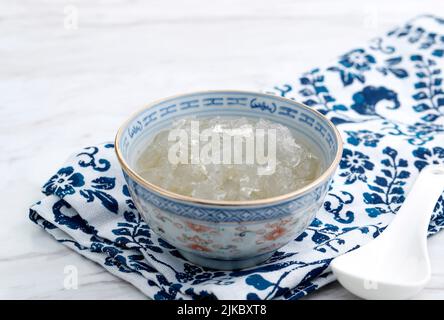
(227,234)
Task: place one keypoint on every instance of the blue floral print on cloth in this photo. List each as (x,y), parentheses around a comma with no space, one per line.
(386,99)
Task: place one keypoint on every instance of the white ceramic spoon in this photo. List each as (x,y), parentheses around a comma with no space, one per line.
(396,264)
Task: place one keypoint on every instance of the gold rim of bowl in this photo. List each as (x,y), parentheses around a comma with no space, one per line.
(176,196)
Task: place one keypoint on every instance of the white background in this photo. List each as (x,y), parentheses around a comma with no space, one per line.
(63,89)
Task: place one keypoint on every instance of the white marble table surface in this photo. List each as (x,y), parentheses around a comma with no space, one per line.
(63,88)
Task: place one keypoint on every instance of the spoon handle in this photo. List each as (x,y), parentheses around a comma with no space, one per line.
(417,209)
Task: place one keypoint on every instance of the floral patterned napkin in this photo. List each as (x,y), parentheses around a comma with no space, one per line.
(386,99)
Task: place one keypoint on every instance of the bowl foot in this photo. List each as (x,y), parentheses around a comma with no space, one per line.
(220,264)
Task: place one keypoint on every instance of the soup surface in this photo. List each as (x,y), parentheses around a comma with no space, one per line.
(226,158)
